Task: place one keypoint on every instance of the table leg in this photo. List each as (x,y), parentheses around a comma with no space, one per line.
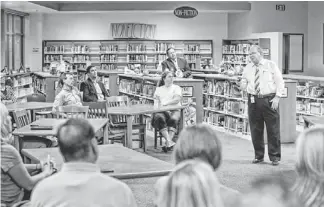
(106,134)
(129,138)
(182,121)
(143,121)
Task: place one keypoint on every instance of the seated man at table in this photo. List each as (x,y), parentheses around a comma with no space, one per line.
(69,94)
(93,90)
(179,66)
(80,182)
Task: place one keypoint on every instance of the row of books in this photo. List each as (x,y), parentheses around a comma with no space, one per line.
(236,59)
(236,125)
(20,81)
(136,48)
(108,58)
(136,58)
(308,107)
(223,87)
(314,91)
(236,49)
(191,58)
(225,105)
(138,88)
(108,48)
(192,48)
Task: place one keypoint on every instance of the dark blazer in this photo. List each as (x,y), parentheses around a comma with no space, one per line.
(89,91)
(182,63)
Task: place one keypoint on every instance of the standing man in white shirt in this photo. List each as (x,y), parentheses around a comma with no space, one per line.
(264,84)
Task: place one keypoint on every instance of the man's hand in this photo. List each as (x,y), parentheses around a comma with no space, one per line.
(275,102)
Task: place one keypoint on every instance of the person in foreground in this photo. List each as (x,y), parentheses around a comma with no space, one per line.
(200,142)
(309,184)
(80,182)
(167,94)
(16,181)
(192,184)
(264,84)
(269,192)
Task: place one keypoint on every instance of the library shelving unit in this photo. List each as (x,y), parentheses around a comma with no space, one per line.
(309,97)
(107,77)
(45,83)
(117,54)
(235,52)
(225,107)
(142,88)
(22,85)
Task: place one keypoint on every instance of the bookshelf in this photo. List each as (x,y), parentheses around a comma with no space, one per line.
(22,85)
(45,83)
(235,53)
(117,54)
(225,107)
(309,97)
(141,89)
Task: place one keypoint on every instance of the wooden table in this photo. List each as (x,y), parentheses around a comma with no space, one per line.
(55,123)
(313,120)
(142,109)
(125,163)
(29,106)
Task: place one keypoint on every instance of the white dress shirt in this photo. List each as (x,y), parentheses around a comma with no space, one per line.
(271,80)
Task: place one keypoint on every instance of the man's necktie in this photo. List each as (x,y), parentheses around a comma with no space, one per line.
(257,80)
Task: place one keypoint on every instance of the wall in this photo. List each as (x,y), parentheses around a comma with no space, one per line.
(264,18)
(315,38)
(96,26)
(34,37)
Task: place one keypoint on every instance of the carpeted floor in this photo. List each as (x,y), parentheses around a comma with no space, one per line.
(235,172)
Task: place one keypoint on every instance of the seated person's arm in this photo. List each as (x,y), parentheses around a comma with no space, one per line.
(176,97)
(32,167)
(164,66)
(15,168)
(187,70)
(58,102)
(86,93)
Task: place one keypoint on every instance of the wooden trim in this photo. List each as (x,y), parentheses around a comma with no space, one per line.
(14,12)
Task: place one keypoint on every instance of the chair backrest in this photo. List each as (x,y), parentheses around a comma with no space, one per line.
(116,101)
(96,109)
(21,118)
(72,111)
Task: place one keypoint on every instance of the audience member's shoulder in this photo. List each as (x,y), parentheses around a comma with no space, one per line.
(112,181)
(160,182)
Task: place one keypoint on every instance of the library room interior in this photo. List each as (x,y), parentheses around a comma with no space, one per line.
(134,93)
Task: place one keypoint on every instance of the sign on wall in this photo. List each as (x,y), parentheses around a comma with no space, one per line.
(133,31)
(185,12)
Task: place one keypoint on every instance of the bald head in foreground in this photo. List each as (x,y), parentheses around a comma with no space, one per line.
(80,182)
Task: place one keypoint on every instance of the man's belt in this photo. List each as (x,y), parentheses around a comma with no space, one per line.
(263,96)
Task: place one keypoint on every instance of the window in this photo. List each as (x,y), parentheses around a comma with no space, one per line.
(293,53)
(13,40)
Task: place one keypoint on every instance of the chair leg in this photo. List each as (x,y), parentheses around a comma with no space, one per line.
(155,138)
(144,140)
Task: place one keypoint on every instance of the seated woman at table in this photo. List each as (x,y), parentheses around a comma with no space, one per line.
(69,95)
(7,92)
(167,94)
(16,180)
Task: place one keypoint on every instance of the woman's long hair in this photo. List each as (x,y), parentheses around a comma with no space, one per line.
(309,184)
(193,183)
(5,124)
(163,76)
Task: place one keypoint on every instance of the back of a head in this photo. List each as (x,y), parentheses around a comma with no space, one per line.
(268,192)
(192,184)
(310,166)
(75,138)
(5,124)
(199,142)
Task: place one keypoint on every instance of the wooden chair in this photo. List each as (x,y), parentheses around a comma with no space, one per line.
(118,122)
(72,111)
(22,119)
(98,110)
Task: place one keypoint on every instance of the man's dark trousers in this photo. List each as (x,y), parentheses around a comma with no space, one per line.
(259,112)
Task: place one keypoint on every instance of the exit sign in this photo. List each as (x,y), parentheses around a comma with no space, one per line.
(280,7)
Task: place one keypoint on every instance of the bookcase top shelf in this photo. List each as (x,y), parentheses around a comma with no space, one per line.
(216,76)
(303,77)
(157,78)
